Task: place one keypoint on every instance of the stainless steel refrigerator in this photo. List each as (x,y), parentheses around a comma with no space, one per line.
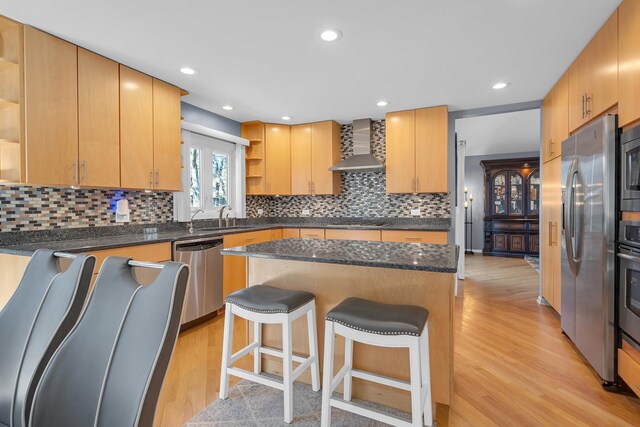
(588,243)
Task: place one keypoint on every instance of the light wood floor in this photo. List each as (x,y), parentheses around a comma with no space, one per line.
(513,366)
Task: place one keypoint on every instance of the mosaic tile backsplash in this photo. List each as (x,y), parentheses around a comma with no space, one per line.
(363,194)
(25,208)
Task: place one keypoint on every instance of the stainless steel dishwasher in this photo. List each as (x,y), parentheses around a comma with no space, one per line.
(204,290)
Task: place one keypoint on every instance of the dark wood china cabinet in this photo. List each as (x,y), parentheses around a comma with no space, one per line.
(511,207)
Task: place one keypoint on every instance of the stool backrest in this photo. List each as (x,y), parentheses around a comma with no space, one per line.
(41,312)
(109,370)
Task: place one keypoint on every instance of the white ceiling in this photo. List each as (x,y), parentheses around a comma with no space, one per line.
(265,57)
(500,133)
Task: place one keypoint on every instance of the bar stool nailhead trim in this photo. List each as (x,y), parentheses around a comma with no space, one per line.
(289,374)
(420,379)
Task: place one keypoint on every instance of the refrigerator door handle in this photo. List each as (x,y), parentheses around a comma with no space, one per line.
(569,218)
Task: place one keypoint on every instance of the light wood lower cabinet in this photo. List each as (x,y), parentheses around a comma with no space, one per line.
(290,233)
(98,120)
(403,236)
(550,223)
(312,233)
(629,366)
(235,267)
(340,234)
(154,252)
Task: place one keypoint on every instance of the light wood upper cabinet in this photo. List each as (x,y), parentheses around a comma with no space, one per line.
(629,58)
(166,137)
(417,151)
(550,223)
(278,159)
(315,147)
(136,129)
(301,159)
(400,141)
(98,120)
(432,150)
(555,117)
(325,152)
(593,77)
(51,110)
(604,68)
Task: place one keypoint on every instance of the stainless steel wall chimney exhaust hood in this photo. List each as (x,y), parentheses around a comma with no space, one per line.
(362,160)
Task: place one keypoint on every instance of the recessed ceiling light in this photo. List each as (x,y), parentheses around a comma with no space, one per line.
(227,107)
(382,103)
(331,35)
(500,85)
(188,71)
(286,118)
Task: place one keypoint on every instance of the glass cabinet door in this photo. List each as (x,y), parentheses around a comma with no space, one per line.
(534,193)
(500,194)
(515,194)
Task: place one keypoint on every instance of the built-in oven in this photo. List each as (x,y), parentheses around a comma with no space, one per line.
(630,170)
(629,288)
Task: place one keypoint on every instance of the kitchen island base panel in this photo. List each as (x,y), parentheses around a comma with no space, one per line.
(332,283)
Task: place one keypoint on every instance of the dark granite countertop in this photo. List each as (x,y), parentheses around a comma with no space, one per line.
(406,256)
(109,237)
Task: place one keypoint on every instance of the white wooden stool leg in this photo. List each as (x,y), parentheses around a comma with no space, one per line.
(348,361)
(227,341)
(257,357)
(416,380)
(426,376)
(286,371)
(313,348)
(327,374)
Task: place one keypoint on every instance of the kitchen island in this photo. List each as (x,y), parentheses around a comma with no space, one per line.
(393,273)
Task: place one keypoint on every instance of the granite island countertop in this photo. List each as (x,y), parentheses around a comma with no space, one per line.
(98,238)
(405,256)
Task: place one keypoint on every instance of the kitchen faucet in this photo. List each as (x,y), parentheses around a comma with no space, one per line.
(220,213)
(191,221)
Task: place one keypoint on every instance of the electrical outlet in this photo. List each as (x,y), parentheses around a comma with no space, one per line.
(415,212)
(306,212)
(260,211)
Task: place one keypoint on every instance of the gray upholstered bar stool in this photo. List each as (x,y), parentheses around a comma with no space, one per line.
(382,325)
(266,304)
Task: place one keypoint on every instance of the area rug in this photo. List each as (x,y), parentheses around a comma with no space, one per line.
(252,404)
(534,262)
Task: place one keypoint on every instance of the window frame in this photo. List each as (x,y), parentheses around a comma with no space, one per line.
(208,146)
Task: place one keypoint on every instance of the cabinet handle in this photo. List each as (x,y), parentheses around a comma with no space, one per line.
(251,239)
(150,179)
(551,144)
(158,178)
(417,184)
(84,171)
(309,187)
(75,172)
(587,103)
(412,238)
(583,107)
(550,233)
(313,187)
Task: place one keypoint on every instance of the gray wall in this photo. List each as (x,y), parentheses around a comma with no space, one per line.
(211,120)
(474,181)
